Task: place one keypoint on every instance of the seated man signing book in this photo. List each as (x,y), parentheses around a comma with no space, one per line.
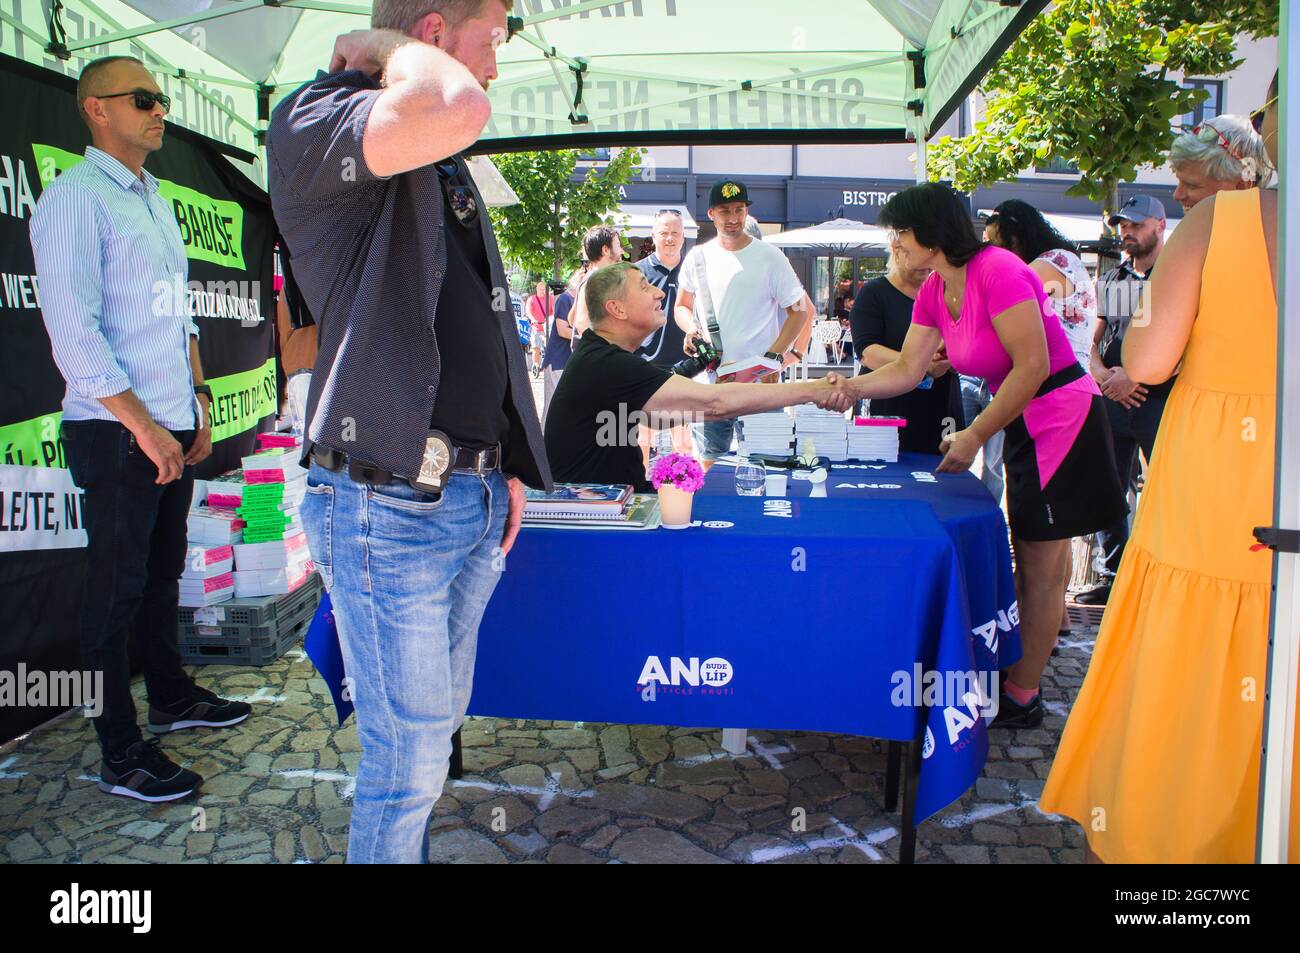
(607,391)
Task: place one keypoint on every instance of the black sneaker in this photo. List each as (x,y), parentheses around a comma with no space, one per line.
(201,710)
(1012,715)
(146,774)
(1096,596)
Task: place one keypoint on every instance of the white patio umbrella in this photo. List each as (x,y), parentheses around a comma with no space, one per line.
(838,238)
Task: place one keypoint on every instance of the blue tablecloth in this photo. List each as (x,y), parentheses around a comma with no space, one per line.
(799,614)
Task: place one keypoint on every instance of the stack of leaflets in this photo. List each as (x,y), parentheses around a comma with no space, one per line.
(204,562)
(274,465)
(271,510)
(250,583)
(875,438)
(771,433)
(214,526)
(196,593)
(591,505)
(226,490)
(827,429)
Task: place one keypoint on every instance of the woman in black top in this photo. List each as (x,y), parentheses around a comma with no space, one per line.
(882,313)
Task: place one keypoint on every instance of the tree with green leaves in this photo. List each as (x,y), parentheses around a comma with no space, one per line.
(1088,82)
(543,233)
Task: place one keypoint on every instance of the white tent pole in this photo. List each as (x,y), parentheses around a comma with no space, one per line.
(1284,625)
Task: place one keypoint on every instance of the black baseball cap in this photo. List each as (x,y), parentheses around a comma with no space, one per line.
(728,190)
(1138,209)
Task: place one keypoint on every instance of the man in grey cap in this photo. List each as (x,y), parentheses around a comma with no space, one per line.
(1134,409)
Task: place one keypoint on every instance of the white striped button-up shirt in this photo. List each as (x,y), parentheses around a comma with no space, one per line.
(113,271)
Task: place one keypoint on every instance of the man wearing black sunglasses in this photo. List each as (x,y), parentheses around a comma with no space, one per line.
(135,416)
(421,427)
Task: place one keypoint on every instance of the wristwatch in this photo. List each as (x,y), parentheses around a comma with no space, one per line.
(205,390)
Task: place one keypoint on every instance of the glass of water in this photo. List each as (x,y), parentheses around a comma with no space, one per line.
(750,478)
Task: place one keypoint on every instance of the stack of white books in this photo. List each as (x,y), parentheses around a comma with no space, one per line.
(204,562)
(875,438)
(214,526)
(275,554)
(274,465)
(196,593)
(769,433)
(827,430)
(250,583)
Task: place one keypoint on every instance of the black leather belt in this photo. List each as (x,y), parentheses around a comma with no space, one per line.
(464,460)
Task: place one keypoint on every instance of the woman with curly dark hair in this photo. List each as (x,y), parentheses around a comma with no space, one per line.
(996,321)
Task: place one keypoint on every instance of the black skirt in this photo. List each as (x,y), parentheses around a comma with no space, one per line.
(1084,494)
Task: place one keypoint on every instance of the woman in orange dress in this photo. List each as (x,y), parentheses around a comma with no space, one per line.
(1159,761)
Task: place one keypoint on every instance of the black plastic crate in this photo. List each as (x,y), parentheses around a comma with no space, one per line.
(235,643)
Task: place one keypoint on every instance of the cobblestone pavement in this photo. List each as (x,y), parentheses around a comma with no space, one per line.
(278,790)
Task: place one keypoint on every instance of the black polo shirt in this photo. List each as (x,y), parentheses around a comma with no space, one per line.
(471,403)
(372,255)
(590,436)
(664,349)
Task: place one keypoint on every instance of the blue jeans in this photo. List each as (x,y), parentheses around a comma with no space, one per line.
(409,574)
(975,397)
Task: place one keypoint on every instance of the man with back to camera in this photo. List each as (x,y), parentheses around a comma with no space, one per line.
(135,417)
(1134,410)
(749,291)
(421,424)
(606,383)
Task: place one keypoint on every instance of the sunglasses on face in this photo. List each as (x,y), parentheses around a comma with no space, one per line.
(1257,117)
(460,197)
(1224,142)
(144,99)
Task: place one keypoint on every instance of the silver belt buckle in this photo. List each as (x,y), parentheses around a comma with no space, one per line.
(436,463)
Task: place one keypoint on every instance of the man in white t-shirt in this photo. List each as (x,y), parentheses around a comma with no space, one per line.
(753,293)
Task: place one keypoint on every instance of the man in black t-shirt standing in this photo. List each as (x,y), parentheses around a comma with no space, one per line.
(421,427)
(607,392)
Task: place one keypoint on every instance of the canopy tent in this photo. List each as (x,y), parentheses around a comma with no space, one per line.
(575,72)
(647,72)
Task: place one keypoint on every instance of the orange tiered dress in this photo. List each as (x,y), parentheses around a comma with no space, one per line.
(1160,757)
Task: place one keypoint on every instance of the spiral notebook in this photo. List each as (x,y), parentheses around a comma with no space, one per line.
(641,511)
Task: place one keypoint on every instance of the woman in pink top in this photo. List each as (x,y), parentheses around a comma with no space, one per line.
(991,313)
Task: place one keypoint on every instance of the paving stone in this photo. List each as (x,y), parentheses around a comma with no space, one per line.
(602,838)
(502,814)
(24,848)
(1023,855)
(653,845)
(568,854)
(653,750)
(767,781)
(616,772)
(313,846)
(747,804)
(569,819)
(671,806)
(570,737)
(144,830)
(199,844)
(1042,835)
(615,744)
(524,776)
(524,843)
(993,789)
(227,785)
(585,760)
(463,846)
(274,796)
(966,853)
(994,834)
